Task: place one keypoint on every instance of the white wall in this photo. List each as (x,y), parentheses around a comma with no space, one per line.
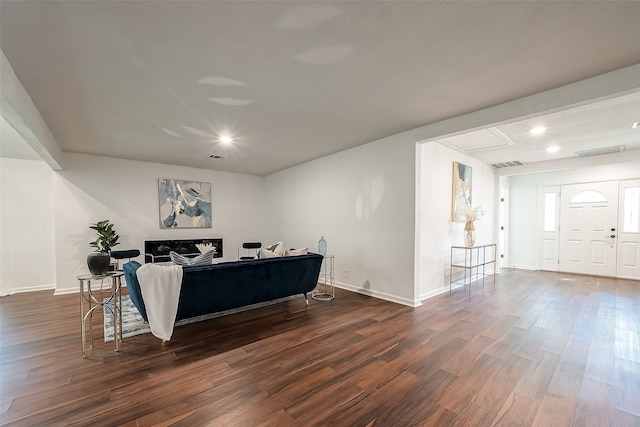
(362,201)
(27,254)
(92,188)
(437,233)
(523,203)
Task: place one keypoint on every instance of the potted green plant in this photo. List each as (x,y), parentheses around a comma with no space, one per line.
(98,261)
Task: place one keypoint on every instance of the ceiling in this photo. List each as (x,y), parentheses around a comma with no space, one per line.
(294,81)
(597,128)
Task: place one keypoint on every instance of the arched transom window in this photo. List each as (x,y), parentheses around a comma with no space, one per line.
(588,196)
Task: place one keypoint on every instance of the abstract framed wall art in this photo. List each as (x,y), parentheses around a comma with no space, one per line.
(461,190)
(184,204)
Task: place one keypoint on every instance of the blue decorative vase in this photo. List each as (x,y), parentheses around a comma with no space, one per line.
(322,246)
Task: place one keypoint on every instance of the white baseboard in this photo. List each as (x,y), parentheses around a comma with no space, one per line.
(437,292)
(76,289)
(63,291)
(377,294)
(523,267)
(12,291)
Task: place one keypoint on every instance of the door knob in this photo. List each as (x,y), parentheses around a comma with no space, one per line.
(613,235)
(613,229)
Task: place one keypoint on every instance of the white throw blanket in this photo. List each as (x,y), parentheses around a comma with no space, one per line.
(160,286)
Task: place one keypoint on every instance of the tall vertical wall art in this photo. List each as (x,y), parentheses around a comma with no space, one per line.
(461,190)
(184,204)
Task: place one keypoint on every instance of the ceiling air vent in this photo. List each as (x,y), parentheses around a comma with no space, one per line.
(507,164)
(600,151)
(217,156)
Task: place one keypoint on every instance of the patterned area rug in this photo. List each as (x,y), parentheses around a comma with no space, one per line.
(134,324)
(132,321)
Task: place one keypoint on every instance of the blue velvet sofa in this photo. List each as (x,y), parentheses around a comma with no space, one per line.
(227,285)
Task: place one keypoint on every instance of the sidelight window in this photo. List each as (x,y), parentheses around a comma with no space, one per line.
(550,211)
(631,209)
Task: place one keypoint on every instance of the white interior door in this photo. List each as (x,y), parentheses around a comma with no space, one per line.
(629,230)
(588,224)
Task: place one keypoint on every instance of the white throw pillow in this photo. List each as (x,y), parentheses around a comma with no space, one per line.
(205,247)
(275,250)
(296,252)
(202,259)
(265,253)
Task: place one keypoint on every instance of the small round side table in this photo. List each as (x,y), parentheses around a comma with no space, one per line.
(327,277)
(113,303)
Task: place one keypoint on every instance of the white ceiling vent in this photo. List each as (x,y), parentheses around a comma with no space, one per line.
(600,151)
(507,164)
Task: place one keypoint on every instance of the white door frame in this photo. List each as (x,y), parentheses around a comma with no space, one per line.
(503,232)
(627,242)
(628,232)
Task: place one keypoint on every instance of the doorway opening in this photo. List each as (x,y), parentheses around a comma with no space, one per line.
(591,228)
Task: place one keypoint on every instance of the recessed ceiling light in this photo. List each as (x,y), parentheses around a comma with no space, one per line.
(226,139)
(553,149)
(538,130)
(636,125)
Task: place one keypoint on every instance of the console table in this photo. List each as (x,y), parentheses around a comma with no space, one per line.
(112,302)
(473,260)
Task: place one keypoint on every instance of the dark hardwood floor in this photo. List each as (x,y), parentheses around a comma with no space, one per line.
(538,348)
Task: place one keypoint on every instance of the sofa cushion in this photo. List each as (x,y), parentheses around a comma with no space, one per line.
(265,253)
(202,259)
(275,250)
(296,252)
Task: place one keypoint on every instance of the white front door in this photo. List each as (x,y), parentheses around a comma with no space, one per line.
(628,234)
(588,228)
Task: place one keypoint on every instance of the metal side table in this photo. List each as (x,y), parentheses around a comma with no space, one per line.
(327,277)
(113,303)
